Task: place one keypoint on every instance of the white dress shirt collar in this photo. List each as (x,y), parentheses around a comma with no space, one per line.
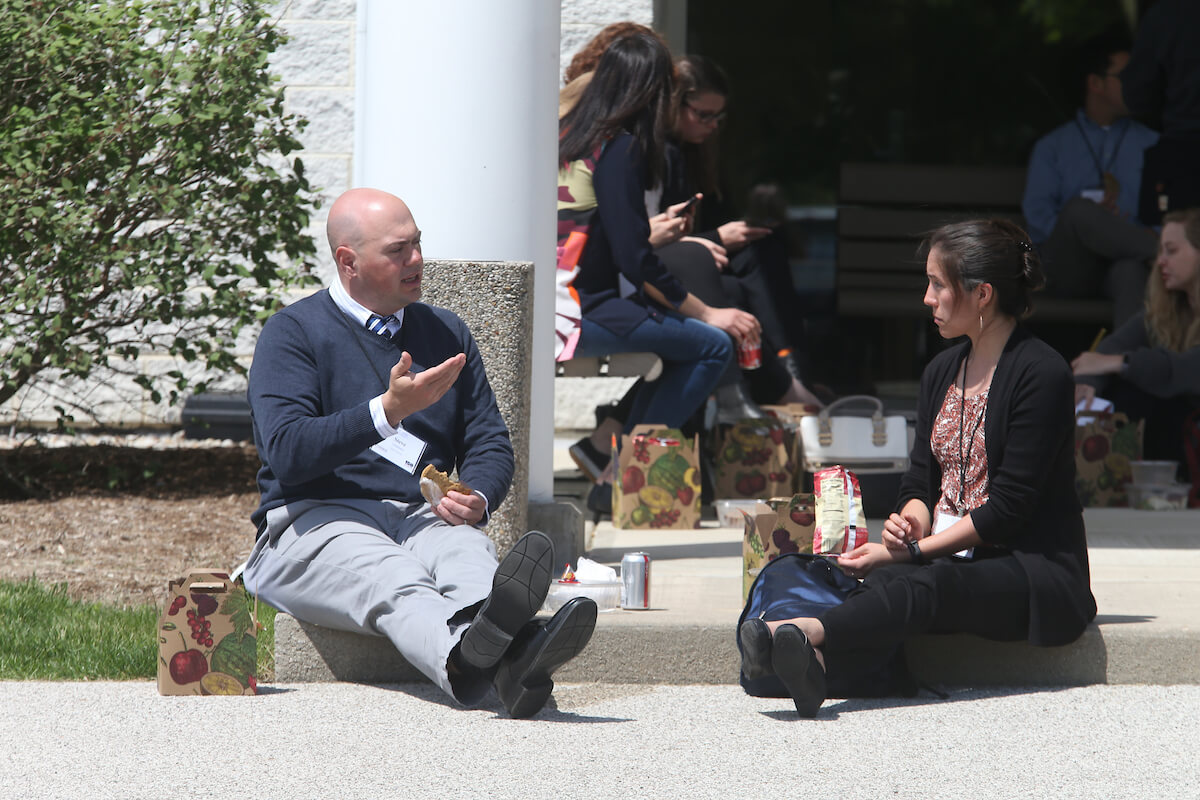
(356,310)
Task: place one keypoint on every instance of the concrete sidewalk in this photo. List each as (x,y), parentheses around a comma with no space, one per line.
(594,741)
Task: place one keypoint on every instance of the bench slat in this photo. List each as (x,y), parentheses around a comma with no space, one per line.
(927,184)
(864,222)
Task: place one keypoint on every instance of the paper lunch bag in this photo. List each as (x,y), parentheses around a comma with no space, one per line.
(207,637)
(755,459)
(1104,446)
(784,525)
(657,482)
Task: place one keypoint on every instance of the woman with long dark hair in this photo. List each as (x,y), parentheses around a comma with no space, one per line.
(614,294)
(988,535)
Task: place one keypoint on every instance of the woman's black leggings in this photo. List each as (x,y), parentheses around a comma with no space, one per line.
(988,597)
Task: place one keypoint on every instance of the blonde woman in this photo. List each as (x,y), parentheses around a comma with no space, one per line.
(1150,366)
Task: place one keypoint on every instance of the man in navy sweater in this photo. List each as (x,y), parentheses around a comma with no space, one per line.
(353,391)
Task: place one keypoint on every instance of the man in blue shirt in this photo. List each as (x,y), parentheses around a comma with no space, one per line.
(1081,193)
(354,390)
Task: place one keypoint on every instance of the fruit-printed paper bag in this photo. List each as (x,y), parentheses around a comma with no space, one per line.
(207,637)
(657,484)
(755,459)
(1104,446)
(781,525)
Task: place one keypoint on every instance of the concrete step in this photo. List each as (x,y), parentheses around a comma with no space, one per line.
(1145,576)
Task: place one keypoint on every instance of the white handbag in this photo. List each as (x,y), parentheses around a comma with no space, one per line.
(862,444)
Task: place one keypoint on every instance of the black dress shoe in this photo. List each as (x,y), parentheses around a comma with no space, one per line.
(796,664)
(755,638)
(519,588)
(523,680)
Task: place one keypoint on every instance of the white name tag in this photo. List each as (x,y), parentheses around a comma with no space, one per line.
(1095,195)
(404,450)
(941,522)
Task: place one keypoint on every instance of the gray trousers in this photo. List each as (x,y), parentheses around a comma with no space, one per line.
(1094,253)
(377,567)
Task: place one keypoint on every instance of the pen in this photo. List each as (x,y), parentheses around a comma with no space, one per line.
(1096,341)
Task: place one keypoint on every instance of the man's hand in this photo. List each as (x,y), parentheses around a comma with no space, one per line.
(457,508)
(407,393)
(665,228)
(737,234)
(737,323)
(720,257)
(1093,363)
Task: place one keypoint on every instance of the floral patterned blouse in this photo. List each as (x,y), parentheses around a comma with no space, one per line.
(960,496)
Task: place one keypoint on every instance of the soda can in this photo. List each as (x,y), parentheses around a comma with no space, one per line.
(750,354)
(635,581)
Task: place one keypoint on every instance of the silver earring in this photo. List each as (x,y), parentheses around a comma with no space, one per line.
(981,323)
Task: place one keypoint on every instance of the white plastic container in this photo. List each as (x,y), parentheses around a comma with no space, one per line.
(606,595)
(1154,473)
(1172,497)
(729,512)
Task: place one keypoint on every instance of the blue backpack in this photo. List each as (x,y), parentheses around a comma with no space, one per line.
(804,585)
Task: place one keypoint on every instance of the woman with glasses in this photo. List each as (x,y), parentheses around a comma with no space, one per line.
(614,294)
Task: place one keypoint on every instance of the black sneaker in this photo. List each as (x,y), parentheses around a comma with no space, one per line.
(591,462)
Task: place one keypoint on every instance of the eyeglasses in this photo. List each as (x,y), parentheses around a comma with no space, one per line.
(707,117)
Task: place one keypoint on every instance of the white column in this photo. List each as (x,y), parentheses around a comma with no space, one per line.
(456,112)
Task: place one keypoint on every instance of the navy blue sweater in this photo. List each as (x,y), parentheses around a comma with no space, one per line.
(314,373)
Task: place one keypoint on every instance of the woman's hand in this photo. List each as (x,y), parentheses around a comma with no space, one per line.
(737,234)
(859,562)
(908,525)
(665,228)
(1084,393)
(900,529)
(720,258)
(1093,363)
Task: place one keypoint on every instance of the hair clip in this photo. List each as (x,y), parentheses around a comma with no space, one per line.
(1026,246)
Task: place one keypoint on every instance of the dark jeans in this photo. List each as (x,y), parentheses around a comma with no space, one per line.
(1095,253)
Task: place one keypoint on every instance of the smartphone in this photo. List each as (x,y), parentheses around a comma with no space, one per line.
(687,206)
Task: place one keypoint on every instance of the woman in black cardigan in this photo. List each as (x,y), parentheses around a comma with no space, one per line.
(988,537)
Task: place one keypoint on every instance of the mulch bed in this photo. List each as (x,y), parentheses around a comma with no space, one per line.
(116,523)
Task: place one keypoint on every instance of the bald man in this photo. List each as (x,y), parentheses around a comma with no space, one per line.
(354,390)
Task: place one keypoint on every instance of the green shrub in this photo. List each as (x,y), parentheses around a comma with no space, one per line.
(147,201)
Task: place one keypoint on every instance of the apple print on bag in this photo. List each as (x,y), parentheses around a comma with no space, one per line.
(207,637)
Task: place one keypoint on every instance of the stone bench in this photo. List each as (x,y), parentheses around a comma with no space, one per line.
(706,654)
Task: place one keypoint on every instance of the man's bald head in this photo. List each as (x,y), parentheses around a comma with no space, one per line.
(376,247)
(358,214)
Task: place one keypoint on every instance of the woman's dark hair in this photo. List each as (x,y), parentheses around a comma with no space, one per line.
(696,75)
(589,55)
(630,91)
(994,251)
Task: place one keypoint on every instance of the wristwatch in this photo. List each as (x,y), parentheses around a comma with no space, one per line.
(1124,364)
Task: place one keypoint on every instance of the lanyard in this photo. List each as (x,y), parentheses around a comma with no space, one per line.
(1095,156)
(963,458)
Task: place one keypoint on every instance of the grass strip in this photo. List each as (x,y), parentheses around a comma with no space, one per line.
(45,635)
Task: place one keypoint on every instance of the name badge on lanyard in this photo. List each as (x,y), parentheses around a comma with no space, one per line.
(942,521)
(403,449)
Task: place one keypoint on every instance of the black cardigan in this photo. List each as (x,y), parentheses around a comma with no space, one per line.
(1032,508)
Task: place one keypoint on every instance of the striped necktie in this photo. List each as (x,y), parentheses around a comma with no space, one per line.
(379,325)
